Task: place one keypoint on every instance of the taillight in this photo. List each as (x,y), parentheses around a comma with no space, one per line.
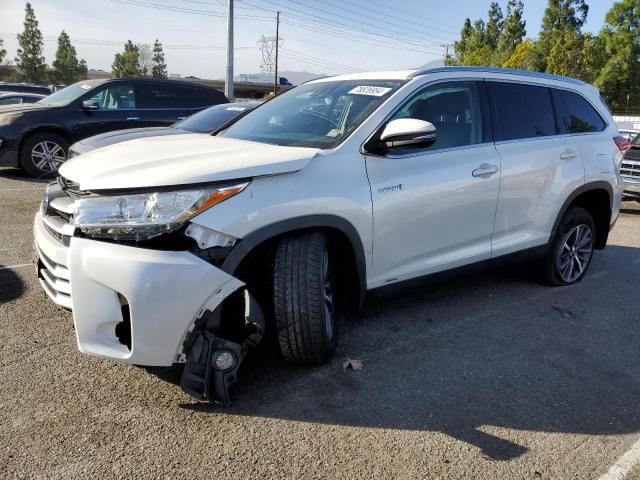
(622,143)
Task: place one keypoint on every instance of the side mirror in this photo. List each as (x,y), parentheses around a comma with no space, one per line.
(90,105)
(408,131)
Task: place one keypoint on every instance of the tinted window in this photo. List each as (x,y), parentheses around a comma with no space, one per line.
(119,96)
(578,114)
(521,111)
(212,118)
(453,108)
(164,95)
(10,100)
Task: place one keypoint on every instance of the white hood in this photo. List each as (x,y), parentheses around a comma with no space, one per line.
(181,160)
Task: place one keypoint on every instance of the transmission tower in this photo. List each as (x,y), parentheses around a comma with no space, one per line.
(267,46)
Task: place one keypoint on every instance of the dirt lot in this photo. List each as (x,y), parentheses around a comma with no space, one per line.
(486,375)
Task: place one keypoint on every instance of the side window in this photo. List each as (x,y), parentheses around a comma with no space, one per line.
(578,114)
(116,97)
(453,108)
(521,111)
(174,96)
(10,101)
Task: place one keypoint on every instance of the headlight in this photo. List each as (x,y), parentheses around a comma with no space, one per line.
(9,118)
(144,216)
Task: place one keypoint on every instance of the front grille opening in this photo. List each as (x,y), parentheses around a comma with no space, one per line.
(123,328)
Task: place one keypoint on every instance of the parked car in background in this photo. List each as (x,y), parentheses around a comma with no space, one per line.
(630,134)
(630,170)
(25,87)
(17,98)
(168,249)
(37,136)
(208,121)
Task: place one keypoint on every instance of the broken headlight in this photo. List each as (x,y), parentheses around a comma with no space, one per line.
(147,215)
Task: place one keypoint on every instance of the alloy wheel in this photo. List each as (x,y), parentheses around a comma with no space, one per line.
(575,253)
(46,155)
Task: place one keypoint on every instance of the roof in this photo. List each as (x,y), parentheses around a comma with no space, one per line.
(409,74)
(509,71)
(387,75)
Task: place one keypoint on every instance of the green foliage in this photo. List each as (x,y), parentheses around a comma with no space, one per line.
(522,56)
(513,31)
(560,16)
(68,69)
(619,75)
(3,52)
(29,60)
(494,25)
(127,63)
(159,67)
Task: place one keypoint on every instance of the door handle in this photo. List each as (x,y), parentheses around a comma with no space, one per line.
(485,170)
(568,154)
(180,118)
(133,118)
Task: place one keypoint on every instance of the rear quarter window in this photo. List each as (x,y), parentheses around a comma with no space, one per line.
(577,114)
(521,111)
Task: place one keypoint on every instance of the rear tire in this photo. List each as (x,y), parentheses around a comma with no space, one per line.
(41,153)
(303,299)
(571,250)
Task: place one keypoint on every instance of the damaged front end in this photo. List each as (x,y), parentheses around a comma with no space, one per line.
(216,348)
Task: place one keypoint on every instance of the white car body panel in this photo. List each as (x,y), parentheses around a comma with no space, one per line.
(180,160)
(442,217)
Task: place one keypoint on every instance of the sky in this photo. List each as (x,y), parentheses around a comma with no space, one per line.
(320,36)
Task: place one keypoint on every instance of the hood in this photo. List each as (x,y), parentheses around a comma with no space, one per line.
(23,107)
(181,160)
(109,138)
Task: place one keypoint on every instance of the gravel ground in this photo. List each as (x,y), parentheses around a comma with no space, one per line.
(483,375)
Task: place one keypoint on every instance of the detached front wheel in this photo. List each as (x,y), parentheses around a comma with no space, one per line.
(303,295)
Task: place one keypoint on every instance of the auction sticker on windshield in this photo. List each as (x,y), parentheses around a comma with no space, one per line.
(370,90)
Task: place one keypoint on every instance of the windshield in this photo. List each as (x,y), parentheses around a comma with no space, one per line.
(318,115)
(213,118)
(68,94)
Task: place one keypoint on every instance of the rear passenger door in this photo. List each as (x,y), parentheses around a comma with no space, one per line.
(434,206)
(540,167)
(162,103)
(583,123)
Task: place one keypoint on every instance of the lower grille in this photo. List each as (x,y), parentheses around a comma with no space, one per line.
(55,279)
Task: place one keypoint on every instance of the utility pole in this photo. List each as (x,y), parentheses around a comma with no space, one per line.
(446,50)
(228,84)
(276,80)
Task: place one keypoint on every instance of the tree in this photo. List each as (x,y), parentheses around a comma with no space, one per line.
(126,64)
(159,68)
(460,46)
(494,25)
(522,56)
(68,69)
(619,76)
(560,16)
(3,52)
(513,31)
(144,59)
(29,60)
(575,55)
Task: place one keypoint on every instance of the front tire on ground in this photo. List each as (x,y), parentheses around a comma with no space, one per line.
(304,299)
(42,152)
(571,250)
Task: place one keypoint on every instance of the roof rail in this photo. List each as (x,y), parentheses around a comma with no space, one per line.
(510,71)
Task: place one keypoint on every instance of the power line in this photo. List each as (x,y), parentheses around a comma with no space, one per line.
(192,11)
(413,15)
(119,43)
(331,23)
(341,65)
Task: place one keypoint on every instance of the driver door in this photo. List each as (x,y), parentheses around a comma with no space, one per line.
(117,110)
(434,206)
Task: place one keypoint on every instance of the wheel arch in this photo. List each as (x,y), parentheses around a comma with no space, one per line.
(596,198)
(44,129)
(340,231)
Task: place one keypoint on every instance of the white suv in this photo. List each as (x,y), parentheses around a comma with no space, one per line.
(168,249)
